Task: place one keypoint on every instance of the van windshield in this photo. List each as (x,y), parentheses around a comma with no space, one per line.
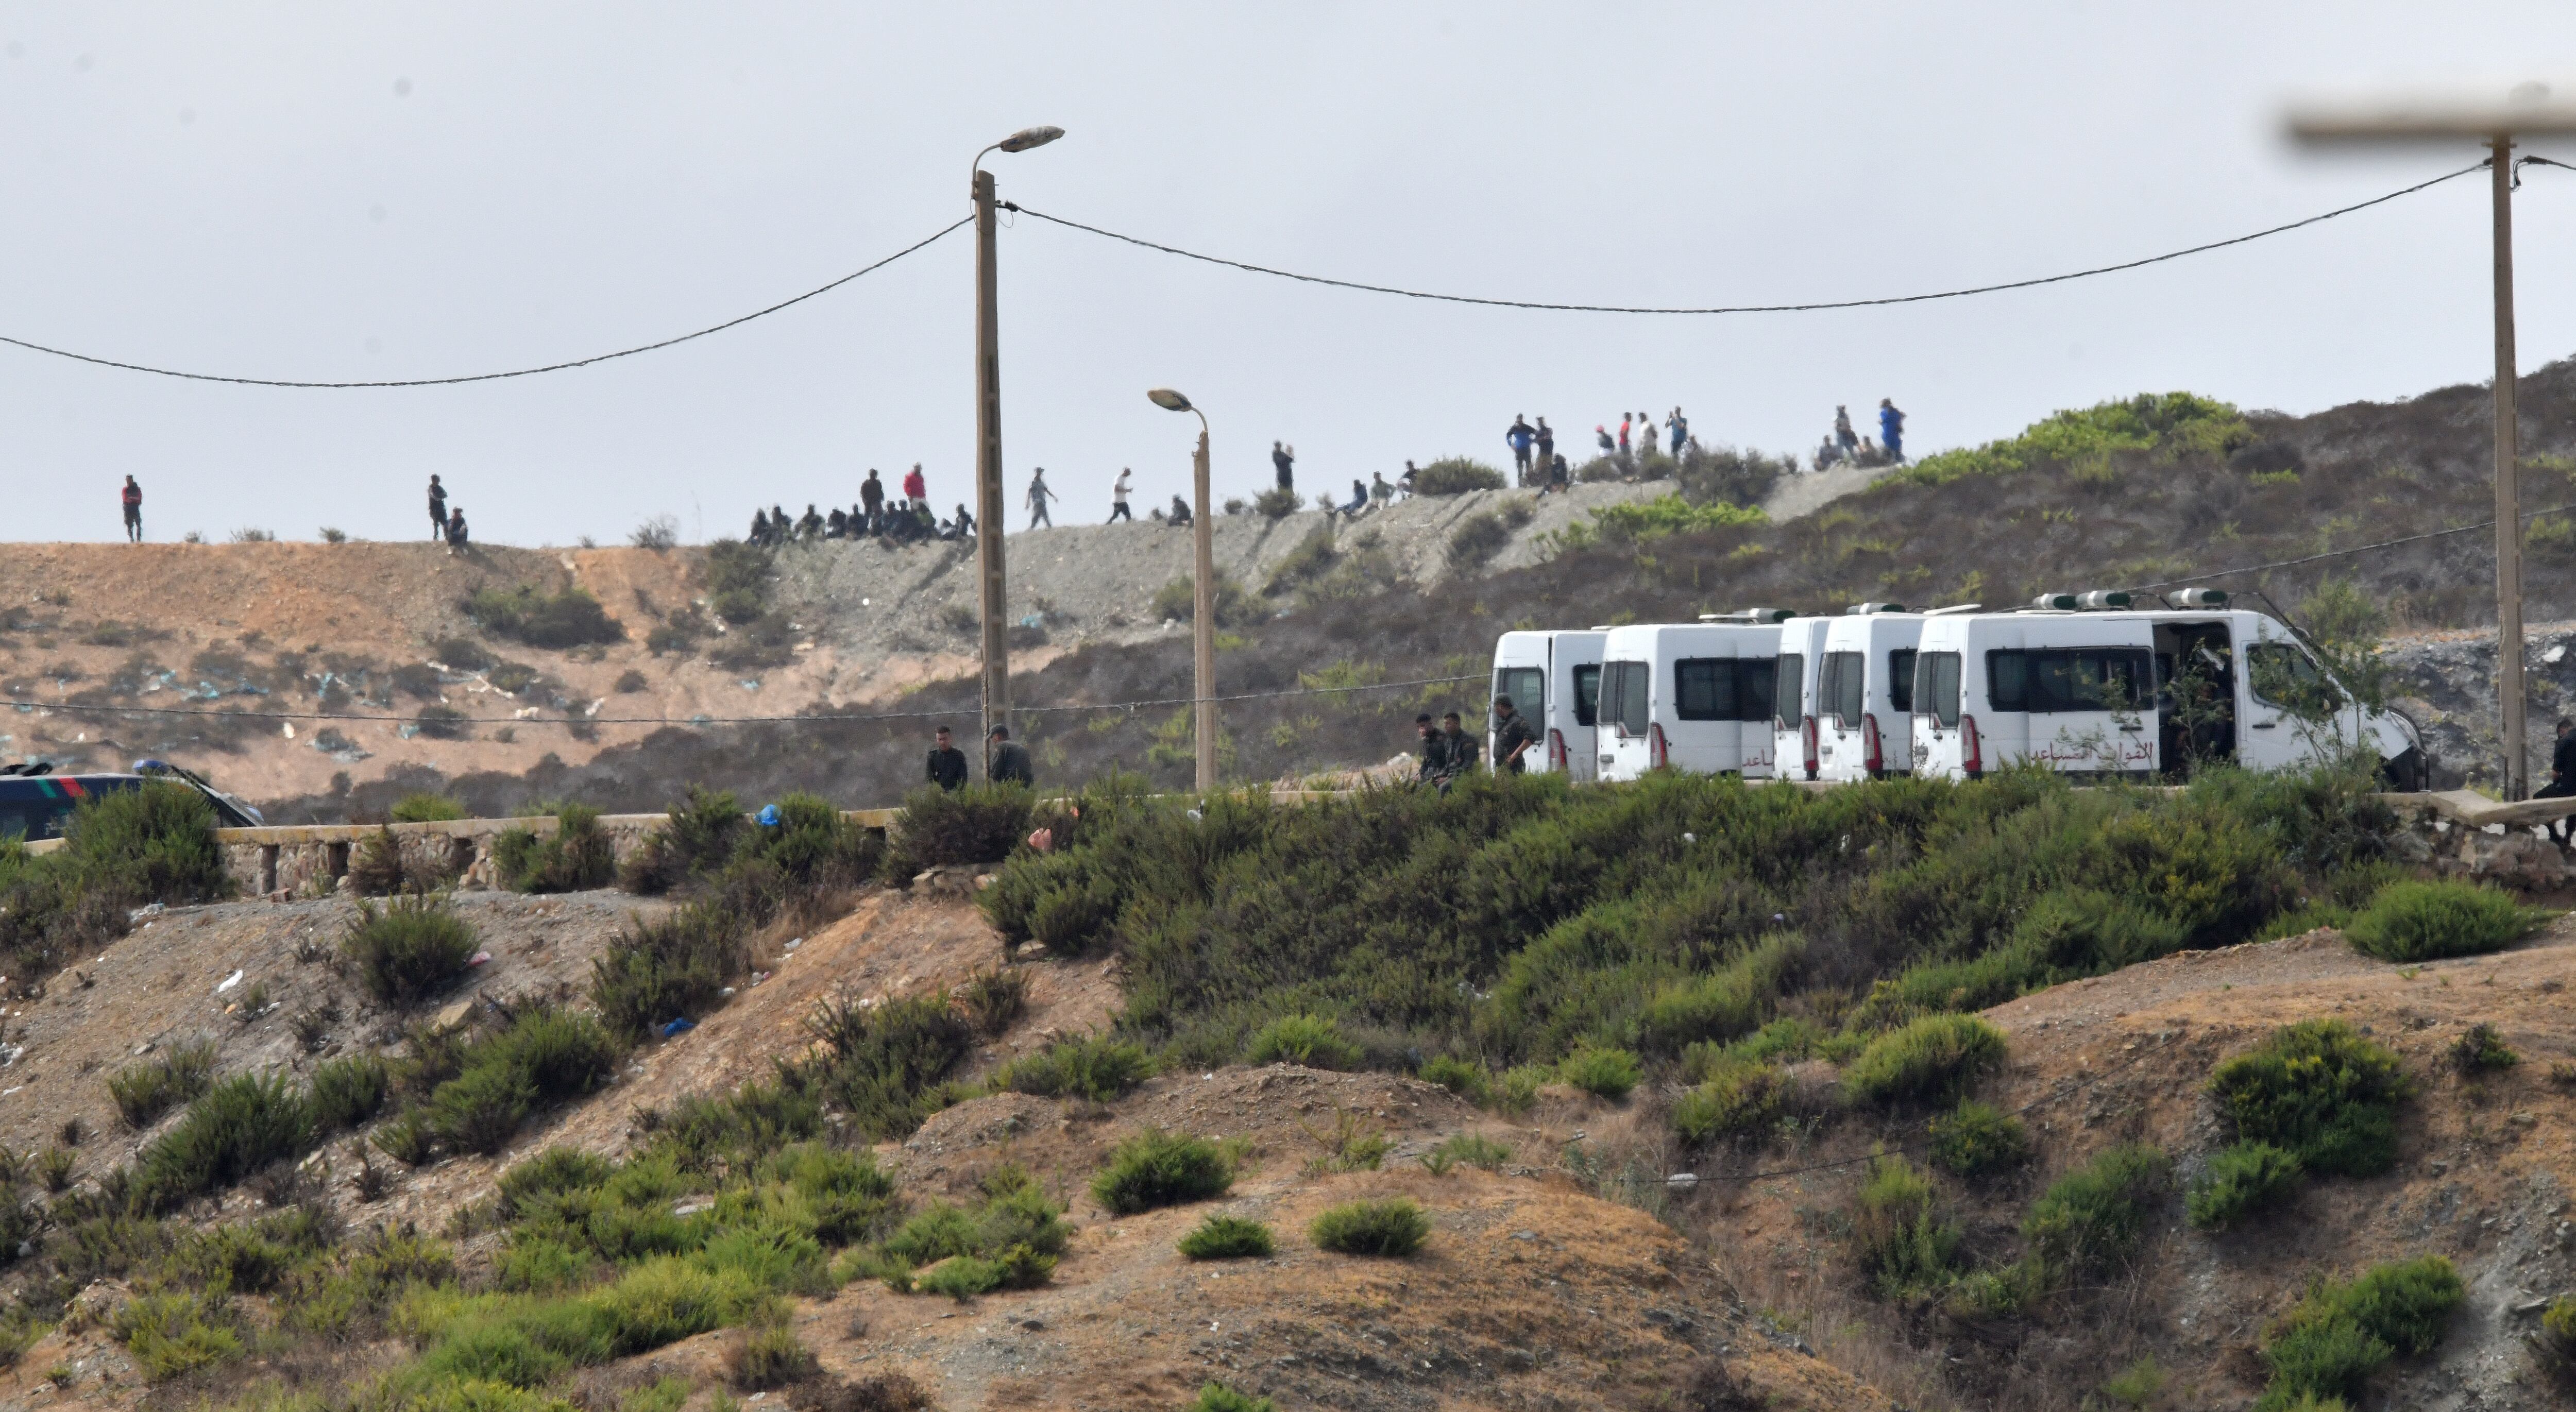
(1587,694)
(1788,685)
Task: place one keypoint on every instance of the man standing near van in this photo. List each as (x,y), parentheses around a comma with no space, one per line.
(1512,736)
(1006,760)
(1434,750)
(132,496)
(1463,749)
(947,762)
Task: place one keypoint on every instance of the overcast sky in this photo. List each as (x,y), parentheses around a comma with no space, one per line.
(355,191)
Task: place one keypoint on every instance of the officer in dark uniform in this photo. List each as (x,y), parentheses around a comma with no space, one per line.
(947,762)
(1009,760)
(1512,736)
(2562,775)
(1435,749)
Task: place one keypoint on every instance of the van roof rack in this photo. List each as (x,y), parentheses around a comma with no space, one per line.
(1953,608)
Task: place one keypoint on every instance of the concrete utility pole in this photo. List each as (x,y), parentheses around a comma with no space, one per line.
(988,441)
(1202,593)
(2494,115)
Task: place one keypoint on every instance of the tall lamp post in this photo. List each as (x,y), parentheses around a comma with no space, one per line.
(1203,591)
(988,439)
(2493,116)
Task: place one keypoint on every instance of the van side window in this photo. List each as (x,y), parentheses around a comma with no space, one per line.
(1843,690)
(1527,687)
(1754,681)
(1900,679)
(1612,674)
(1788,686)
(2088,679)
(2286,677)
(1587,694)
(1936,686)
(1704,689)
(2008,679)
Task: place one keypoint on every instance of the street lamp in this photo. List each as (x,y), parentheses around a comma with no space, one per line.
(1203,591)
(988,439)
(2494,115)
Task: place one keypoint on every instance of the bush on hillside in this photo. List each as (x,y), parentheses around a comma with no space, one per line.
(378,868)
(1156,1168)
(1906,1248)
(2090,1221)
(1315,1041)
(240,1126)
(2240,1180)
(2344,1331)
(349,1091)
(545,1057)
(2425,921)
(567,619)
(1221,1237)
(1637,521)
(1456,475)
(1011,1241)
(424,808)
(2481,1049)
(1276,503)
(1476,539)
(768,1355)
(885,1060)
(698,840)
(408,950)
(1094,1067)
(1393,1228)
(1975,1138)
(145,1091)
(2319,1090)
(2084,442)
(1925,1062)
(120,851)
(738,576)
(576,857)
(1739,1102)
(666,969)
(1177,602)
(1604,1073)
(979,824)
(1217,1397)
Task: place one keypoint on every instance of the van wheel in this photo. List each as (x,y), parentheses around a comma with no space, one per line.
(2406,773)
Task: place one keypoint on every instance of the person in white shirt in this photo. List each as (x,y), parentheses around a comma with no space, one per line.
(1118,497)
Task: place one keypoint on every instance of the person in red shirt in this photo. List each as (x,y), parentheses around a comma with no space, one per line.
(915,488)
(133,496)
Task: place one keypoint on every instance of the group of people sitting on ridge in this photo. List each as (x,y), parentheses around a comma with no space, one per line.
(1842,446)
(896,521)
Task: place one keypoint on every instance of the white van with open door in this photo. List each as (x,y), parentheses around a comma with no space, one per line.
(1865,693)
(2087,684)
(1794,700)
(1695,697)
(1553,679)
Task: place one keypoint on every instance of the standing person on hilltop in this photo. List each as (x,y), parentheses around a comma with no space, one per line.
(1891,430)
(1520,436)
(1118,497)
(759,527)
(1623,436)
(811,526)
(915,489)
(947,767)
(1405,482)
(1283,459)
(132,497)
(872,501)
(1844,436)
(1007,761)
(1546,445)
(437,510)
(1677,428)
(1038,497)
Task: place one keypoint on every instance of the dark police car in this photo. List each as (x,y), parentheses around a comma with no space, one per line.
(36,803)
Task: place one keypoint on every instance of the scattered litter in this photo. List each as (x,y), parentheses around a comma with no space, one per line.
(228,982)
(795,941)
(1683,1180)
(1044,840)
(726,993)
(1690,838)
(691,1208)
(144,1048)
(480,958)
(678,1027)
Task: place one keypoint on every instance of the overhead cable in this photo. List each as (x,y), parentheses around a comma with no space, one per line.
(2346,553)
(490,377)
(1809,307)
(101,708)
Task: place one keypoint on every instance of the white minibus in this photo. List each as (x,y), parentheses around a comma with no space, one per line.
(1865,694)
(1692,696)
(1553,679)
(2087,684)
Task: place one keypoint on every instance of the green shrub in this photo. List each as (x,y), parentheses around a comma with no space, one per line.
(1462,1077)
(408,950)
(120,850)
(1276,503)
(884,1061)
(567,619)
(1393,1227)
(423,808)
(1177,602)
(1455,475)
(576,857)
(698,840)
(349,1091)
(2247,1177)
(1315,1041)
(1604,1073)
(534,1184)
(1927,1061)
(2330,1344)
(1012,1241)
(1476,539)
(1156,1168)
(240,1126)
(1217,1397)
(545,1056)
(2559,1323)
(2138,1385)
(979,824)
(666,968)
(1095,1067)
(2090,1221)
(2319,1090)
(145,1091)
(1469,1149)
(1739,1101)
(768,1356)
(1905,1247)
(1228,1238)
(2423,921)
(2481,1049)
(172,1333)
(1975,1138)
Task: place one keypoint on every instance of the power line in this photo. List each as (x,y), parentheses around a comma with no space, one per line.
(1747,308)
(490,377)
(2347,553)
(102,709)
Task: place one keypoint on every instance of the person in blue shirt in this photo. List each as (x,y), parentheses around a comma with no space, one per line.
(1678,426)
(1891,430)
(1520,437)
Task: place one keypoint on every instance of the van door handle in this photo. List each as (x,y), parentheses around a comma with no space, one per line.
(2133,728)
(2265,725)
